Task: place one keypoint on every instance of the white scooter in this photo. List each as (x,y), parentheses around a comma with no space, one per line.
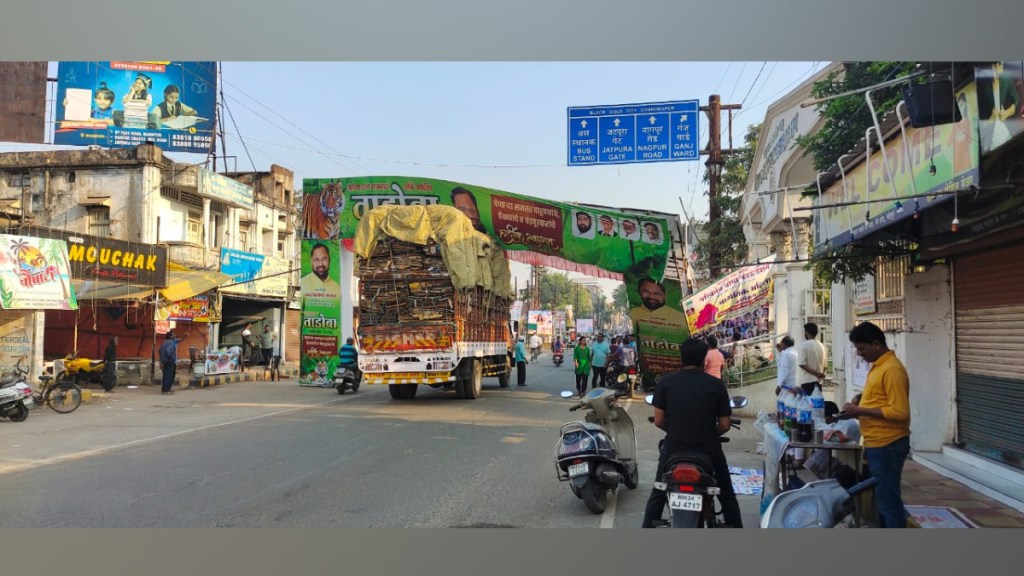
(821,504)
(599,453)
(16,396)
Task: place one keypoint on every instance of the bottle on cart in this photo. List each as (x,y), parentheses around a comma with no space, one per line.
(818,406)
(780,404)
(791,402)
(805,420)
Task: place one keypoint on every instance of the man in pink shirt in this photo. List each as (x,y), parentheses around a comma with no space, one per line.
(714,361)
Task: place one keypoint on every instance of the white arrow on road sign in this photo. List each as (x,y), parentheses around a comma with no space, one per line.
(617,122)
(583,124)
(653,119)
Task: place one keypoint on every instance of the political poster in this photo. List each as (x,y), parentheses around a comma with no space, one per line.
(659,325)
(739,303)
(321,312)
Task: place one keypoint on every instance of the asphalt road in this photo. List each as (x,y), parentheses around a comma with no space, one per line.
(274,454)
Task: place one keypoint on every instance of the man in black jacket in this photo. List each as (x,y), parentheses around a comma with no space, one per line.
(692,407)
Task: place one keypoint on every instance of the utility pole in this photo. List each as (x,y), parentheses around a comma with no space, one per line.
(714,165)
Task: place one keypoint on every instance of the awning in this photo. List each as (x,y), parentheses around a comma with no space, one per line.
(183,284)
(102,290)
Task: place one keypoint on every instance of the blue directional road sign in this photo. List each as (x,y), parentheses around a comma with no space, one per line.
(632,133)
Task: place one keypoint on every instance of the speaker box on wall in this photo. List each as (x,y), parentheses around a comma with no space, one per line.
(931,104)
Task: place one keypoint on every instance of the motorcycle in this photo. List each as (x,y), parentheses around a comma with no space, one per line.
(689,480)
(558,358)
(347,378)
(624,380)
(599,453)
(534,354)
(16,396)
(83,370)
(820,504)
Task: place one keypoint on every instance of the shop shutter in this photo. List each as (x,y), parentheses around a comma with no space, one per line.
(989,303)
(293,341)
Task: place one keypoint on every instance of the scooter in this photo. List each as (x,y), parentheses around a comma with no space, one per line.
(820,504)
(599,453)
(16,396)
(558,358)
(624,380)
(346,378)
(689,480)
(83,370)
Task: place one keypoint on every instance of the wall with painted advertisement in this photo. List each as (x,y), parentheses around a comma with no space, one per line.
(121,104)
(321,312)
(16,333)
(605,239)
(941,159)
(739,303)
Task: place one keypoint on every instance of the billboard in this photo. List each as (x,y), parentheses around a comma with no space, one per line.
(35,274)
(1000,103)
(96,258)
(934,159)
(254,274)
(23,102)
(611,240)
(120,104)
(321,312)
(539,321)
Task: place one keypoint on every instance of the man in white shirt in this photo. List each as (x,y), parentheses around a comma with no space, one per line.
(786,365)
(535,343)
(811,359)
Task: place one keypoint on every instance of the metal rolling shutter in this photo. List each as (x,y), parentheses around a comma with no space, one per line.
(989,303)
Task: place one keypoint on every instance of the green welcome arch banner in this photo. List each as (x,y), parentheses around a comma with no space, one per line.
(618,242)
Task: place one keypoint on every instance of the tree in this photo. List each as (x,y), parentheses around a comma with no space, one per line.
(620,303)
(725,235)
(557,291)
(845,120)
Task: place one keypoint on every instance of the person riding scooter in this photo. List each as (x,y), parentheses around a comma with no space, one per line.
(557,351)
(693,409)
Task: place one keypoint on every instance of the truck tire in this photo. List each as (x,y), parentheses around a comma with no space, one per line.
(402,391)
(475,385)
(504,377)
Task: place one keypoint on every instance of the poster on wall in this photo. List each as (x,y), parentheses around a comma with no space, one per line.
(321,312)
(584,326)
(35,274)
(864,296)
(199,308)
(659,325)
(121,104)
(1000,103)
(590,236)
(15,340)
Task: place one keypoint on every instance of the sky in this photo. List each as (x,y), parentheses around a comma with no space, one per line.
(500,125)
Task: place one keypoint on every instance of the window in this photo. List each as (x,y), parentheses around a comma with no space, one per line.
(281,238)
(194,230)
(268,242)
(19,180)
(243,238)
(889,274)
(99,221)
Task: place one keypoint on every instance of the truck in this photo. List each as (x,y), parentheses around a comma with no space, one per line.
(434,300)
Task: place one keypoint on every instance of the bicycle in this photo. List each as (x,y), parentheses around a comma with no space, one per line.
(63,397)
(255,357)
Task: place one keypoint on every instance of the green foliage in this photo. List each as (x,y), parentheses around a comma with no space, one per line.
(620,302)
(848,117)
(725,235)
(845,120)
(558,291)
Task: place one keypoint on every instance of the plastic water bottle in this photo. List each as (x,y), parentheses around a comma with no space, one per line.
(780,404)
(805,420)
(791,415)
(818,406)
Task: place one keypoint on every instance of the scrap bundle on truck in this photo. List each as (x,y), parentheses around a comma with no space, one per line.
(434,296)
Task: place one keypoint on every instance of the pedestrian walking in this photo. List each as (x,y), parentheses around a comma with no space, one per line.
(811,358)
(110,365)
(169,362)
(267,344)
(581,361)
(884,417)
(599,352)
(520,358)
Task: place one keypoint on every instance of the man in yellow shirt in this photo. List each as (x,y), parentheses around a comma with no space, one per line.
(884,416)
(653,296)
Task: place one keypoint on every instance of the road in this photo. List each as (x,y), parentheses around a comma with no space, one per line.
(274,454)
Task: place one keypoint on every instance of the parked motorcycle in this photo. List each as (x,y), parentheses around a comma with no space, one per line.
(347,378)
(599,453)
(624,380)
(820,504)
(558,358)
(689,480)
(16,396)
(83,370)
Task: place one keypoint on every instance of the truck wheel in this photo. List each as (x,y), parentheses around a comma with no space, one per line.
(504,378)
(396,391)
(475,385)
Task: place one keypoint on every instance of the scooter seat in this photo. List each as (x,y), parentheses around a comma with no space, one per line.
(698,458)
(7,383)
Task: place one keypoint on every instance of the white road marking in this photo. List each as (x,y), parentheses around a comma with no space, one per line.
(608,518)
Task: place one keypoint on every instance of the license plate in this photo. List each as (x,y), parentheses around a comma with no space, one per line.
(691,502)
(28,402)
(578,469)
